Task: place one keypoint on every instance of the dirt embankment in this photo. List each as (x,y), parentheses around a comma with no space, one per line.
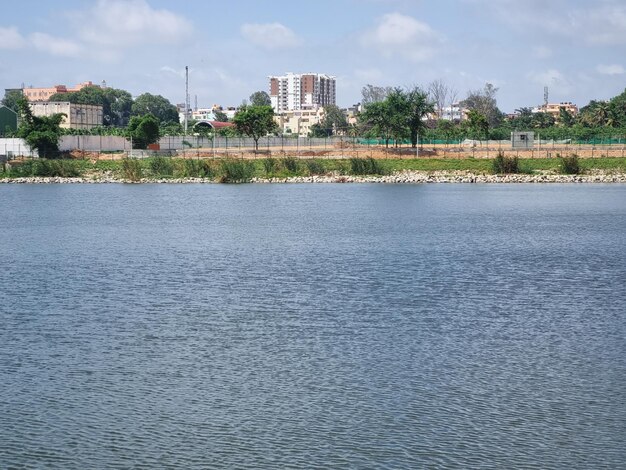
(378,152)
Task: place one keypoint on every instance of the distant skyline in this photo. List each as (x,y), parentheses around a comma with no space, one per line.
(575,47)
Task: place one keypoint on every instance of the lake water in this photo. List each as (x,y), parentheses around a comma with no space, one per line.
(313,326)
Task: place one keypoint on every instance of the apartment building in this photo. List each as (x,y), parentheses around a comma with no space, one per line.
(44,94)
(309,91)
(554,109)
(299,122)
(77,116)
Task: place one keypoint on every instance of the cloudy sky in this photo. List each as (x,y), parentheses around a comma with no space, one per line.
(575,47)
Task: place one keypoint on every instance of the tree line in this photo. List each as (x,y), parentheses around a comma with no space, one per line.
(391,114)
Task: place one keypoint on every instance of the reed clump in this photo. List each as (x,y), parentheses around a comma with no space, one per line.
(367,166)
(236,171)
(569,165)
(161,166)
(505,165)
(131,169)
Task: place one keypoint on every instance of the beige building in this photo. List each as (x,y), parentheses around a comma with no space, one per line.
(299,122)
(77,116)
(554,109)
(44,94)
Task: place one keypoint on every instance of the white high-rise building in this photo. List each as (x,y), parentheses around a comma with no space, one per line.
(293,92)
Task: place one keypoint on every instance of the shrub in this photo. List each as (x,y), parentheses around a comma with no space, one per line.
(315,167)
(505,165)
(270,165)
(236,171)
(569,165)
(290,164)
(189,168)
(60,168)
(366,166)
(44,167)
(20,170)
(131,169)
(161,166)
(207,169)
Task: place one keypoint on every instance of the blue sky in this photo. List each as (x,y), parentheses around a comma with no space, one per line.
(575,47)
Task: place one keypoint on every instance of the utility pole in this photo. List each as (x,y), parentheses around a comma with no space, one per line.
(186,96)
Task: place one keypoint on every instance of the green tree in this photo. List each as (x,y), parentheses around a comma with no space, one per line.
(318,130)
(11,99)
(398,109)
(41,133)
(478,125)
(334,120)
(143,130)
(121,103)
(596,114)
(376,120)
(172,128)
(524,119)
(446,129)
(158,106)
(542,120)
(418,106)
(255,122)
(260,98)
(618,109)
(400,115)
(566,118)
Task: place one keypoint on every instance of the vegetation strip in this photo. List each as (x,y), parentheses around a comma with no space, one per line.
(175,170)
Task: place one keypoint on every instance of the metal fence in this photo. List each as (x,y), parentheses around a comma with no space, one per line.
(330,147)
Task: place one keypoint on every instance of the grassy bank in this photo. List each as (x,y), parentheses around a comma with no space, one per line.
(236,170)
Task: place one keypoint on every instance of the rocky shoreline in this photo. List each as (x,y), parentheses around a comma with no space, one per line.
(403,177)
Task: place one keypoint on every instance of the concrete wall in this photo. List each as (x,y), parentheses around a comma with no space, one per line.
(94,143)
(15,147)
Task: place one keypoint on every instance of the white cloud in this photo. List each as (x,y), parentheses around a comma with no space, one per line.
(119,23)
(613,69)
(402,35)
(55,46)
(10,38)
(270,35)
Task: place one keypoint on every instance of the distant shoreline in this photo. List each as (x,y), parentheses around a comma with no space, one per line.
(401,177)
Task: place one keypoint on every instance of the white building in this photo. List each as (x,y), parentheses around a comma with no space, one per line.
(294,92)
(454,112)
(203,114)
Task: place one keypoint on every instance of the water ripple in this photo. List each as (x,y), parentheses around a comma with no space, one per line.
(313,327)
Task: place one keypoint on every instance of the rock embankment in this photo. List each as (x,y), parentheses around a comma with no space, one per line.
(413,177)
(402,177)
